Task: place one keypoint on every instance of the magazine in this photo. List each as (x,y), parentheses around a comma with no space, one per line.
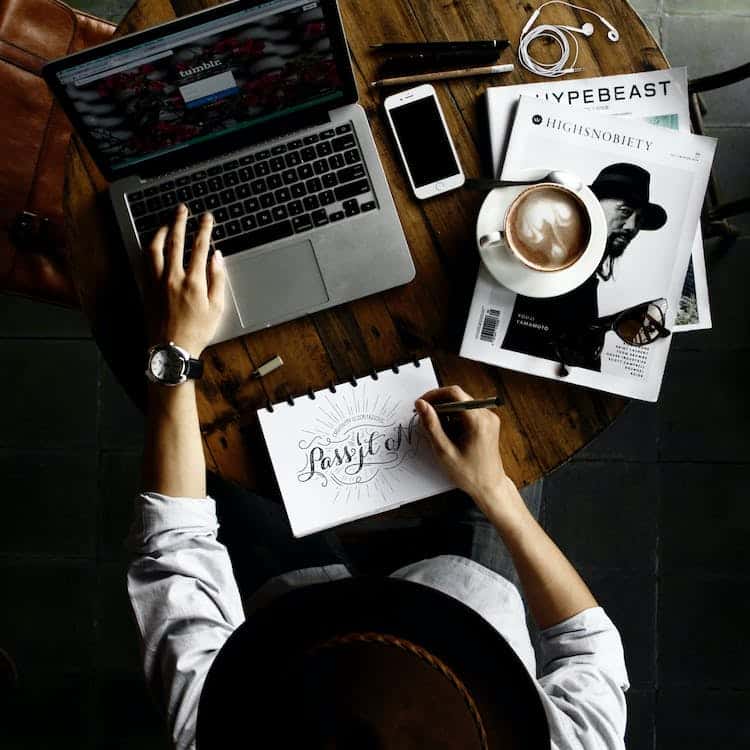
(659,97)
(668,171)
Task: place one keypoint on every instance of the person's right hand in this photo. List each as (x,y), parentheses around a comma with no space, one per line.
(183,305)
(470,454)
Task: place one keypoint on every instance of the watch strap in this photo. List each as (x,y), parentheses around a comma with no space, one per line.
(193,369)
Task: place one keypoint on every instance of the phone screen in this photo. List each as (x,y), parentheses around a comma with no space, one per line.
(424,141)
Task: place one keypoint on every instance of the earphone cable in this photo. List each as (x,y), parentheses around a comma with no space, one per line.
(558,34)
(552,69)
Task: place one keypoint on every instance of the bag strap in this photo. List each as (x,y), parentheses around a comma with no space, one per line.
(21,58)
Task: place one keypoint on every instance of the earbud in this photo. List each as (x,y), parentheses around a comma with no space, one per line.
(587,29)
(613,34)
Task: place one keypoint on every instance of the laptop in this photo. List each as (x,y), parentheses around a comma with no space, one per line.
(248,110)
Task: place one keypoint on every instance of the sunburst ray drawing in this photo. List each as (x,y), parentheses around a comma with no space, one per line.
(358,443)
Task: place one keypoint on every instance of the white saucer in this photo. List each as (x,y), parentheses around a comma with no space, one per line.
(510,272)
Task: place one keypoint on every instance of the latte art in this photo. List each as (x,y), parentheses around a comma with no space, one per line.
(548,228)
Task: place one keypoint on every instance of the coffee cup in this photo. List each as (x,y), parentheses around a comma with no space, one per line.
(546,228)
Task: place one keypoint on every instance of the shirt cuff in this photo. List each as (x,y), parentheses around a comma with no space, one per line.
(157,515)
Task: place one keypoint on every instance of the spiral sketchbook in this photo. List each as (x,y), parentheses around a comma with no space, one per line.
(354,449)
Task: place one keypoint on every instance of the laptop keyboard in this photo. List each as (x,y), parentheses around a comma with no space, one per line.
(287,188)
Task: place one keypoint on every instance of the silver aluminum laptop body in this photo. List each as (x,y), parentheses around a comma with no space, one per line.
(312,270)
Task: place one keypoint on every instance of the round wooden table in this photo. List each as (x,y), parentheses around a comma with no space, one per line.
(545,422)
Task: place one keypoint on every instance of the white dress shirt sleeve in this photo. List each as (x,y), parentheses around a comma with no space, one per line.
(583,682)
(185,600)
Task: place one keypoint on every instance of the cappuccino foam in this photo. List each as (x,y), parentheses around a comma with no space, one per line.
(548,228)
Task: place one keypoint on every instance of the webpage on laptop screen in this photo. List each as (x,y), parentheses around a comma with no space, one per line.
(199,83)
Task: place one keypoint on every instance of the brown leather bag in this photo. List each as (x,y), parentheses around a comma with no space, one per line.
(34,136)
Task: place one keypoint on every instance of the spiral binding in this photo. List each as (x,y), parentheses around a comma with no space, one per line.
(353,381)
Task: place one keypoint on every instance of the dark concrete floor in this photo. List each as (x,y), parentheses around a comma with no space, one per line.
(654,512)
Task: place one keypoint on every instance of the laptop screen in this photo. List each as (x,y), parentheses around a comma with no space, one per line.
(199,83)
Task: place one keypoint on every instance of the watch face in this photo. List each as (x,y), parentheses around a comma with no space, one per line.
(166,366)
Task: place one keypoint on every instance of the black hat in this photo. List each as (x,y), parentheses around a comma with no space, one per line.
(631,183)
(372,664)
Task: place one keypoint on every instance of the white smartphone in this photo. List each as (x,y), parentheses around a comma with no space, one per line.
(423,141)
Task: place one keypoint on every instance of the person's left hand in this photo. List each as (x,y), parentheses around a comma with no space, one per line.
(183,305)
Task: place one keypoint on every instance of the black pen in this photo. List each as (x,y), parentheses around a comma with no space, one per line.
(450,407)
(482,403)
(423,62)
(483,44)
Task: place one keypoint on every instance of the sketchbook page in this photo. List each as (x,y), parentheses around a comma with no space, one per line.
(355,452)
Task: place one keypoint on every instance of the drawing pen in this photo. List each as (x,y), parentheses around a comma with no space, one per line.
(443,75)
(451,407)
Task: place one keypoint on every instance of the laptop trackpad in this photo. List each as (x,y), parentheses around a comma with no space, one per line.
(276,283)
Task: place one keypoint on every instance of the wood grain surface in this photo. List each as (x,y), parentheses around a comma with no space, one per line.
(545,422)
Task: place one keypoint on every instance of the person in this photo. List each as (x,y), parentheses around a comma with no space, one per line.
(569,327)
(436,655)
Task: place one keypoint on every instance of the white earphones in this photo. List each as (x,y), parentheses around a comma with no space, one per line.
(558,34)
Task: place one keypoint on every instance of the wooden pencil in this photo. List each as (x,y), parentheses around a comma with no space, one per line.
(444,75)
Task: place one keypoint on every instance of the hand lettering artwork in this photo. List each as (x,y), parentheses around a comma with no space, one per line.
(362,447)
(353,452)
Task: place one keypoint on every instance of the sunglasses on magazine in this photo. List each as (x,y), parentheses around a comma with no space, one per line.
(640,325)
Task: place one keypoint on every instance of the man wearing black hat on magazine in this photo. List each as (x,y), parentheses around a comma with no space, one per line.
(435,656)
(568,328)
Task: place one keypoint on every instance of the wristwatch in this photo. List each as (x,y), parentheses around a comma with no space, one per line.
(169,364)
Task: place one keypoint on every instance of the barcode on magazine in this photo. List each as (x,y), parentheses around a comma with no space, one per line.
(488,331)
